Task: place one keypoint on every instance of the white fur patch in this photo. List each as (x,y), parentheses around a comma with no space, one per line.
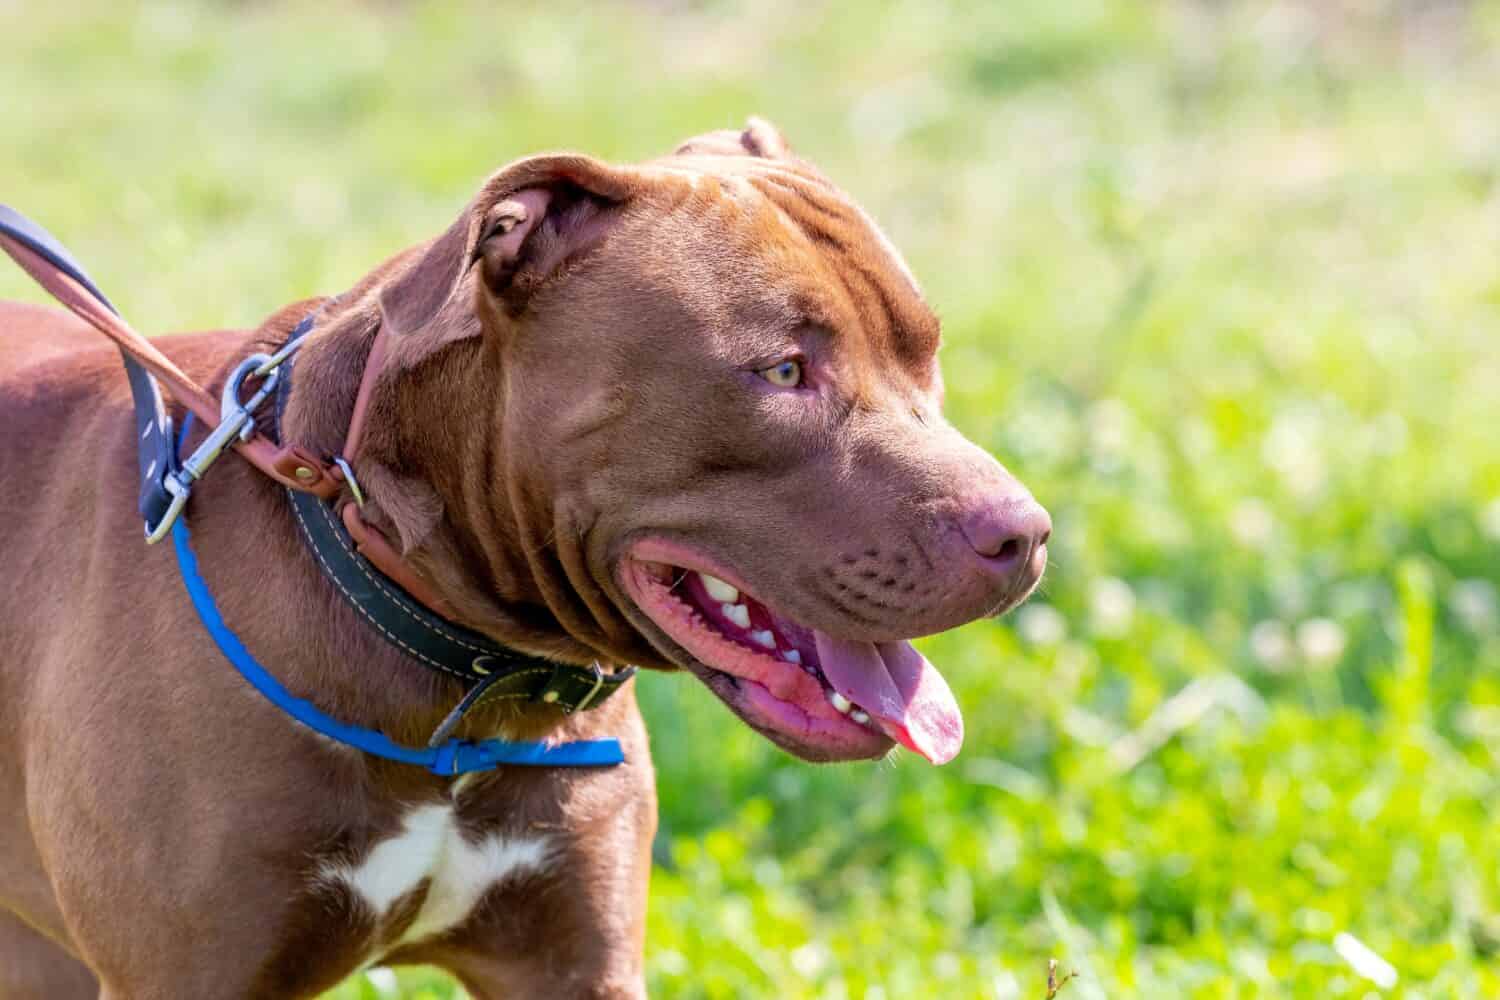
(395,866)
(430,846)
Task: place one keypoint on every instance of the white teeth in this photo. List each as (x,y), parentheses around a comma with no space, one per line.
(860,716)
(766,638)
(718,589)
(839,702)
(792,656)
(737,613)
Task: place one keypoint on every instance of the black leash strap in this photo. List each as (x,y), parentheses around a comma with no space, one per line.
(155,455)
(493,672)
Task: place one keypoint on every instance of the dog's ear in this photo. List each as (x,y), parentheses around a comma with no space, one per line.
(523,227)
(526,223)
(758,138)
(762,138)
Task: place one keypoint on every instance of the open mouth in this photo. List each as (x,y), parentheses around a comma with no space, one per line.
(816,694)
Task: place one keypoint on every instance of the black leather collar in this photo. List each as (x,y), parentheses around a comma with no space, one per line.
(494,672)
(491,671)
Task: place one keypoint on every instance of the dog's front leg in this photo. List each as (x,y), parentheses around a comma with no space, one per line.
(603,962)
(578,932)
(525,985)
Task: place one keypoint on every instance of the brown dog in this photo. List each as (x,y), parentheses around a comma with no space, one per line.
(608,419)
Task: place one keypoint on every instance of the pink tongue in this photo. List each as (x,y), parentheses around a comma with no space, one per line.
(900,690)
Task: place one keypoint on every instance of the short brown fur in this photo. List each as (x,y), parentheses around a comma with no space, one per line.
(556,390)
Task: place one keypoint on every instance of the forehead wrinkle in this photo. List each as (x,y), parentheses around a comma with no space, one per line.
(803,186)
(909,329)
(862,219)
(740,268)
(791,206)
(758,197)
(820,228)
(763,231)
(722,166)
(754,193)
(913,332)
(889,248)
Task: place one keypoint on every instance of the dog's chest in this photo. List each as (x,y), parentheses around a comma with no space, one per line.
(427,877)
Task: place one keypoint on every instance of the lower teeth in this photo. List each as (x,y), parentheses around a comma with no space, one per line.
(739,615)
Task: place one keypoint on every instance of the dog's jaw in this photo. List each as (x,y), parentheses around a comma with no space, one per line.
(782,699)
(819,696)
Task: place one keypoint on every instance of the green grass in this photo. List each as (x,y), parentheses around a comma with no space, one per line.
(1220,282)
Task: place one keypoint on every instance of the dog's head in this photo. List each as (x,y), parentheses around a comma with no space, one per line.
(709,435)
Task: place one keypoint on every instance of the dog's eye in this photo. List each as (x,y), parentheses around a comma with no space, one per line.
(787,374)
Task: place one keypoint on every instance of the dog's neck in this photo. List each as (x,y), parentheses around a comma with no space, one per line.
(322,649)
(434,438)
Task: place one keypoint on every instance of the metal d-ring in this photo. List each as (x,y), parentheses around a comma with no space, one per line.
(348,470)
(587,699)
(236,422)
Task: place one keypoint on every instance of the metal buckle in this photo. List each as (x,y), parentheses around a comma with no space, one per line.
(179,492)
(270,362)
(359,494)
(584,702)
(236,422)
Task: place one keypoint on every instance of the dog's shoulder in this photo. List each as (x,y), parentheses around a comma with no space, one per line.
(31,333)
(62,385)
(47,346)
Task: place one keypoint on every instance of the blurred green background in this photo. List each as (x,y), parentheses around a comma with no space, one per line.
(1219,281)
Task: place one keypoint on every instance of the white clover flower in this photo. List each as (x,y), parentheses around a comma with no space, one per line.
(1474,603)
(1321,640)
(1041,624)
(1271,644)
(1251,523)
(1111,607)
(1109,426)
(1005,985)
(1489,519)
(810,959)
(1291,448)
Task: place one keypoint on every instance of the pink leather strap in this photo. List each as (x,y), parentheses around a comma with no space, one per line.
(371,544)
(373,365)
(291,466)
(369,540)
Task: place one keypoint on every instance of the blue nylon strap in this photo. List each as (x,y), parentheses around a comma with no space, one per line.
(450,758)
(453,757)
(158,458)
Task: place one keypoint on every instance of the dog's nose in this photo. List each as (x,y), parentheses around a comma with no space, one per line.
(1010,535)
